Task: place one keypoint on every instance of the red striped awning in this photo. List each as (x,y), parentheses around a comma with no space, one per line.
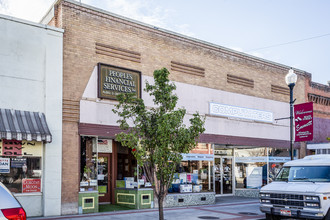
(24,125)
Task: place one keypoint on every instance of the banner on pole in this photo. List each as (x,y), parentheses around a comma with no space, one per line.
(303,115)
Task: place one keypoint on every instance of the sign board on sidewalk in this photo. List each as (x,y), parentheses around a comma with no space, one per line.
(254,177)
(303,115)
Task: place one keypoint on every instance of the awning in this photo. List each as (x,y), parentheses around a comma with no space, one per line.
(24,125)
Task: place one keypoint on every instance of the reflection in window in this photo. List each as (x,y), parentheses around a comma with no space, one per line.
(252,152)
(251,167)
(251,175)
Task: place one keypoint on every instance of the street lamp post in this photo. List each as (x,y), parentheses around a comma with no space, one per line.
(291,79)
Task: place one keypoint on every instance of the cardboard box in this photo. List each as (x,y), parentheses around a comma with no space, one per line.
(195,179)
(185,188)
(197,188)
(183,178)
(189,177)
(129,184)
(141,182)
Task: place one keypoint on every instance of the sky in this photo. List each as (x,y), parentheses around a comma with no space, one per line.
(295,33)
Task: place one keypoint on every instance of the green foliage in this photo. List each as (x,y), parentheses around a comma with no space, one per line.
(157,134)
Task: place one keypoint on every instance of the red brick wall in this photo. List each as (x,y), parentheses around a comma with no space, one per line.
(320,110)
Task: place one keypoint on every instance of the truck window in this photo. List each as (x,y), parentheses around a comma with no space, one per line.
(305,173)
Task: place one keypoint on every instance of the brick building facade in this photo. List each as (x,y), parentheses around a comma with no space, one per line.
(93,36)
(319,94)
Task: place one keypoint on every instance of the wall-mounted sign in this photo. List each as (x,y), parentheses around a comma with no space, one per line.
(31,185)
(239,112)
(14,148)
(113,81)
(303,114)
(198,157)
(4,165)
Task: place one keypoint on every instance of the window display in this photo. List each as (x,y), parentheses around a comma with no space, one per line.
(193,177)
(129,174)
(20,165)
(88,176)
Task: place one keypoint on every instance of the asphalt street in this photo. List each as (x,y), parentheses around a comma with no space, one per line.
(227,207)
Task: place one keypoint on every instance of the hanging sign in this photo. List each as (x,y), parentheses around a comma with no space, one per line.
(303,115)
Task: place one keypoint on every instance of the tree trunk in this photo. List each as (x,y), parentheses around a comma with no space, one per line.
(160,206)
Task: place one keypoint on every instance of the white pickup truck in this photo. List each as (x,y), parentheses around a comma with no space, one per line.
(301,190)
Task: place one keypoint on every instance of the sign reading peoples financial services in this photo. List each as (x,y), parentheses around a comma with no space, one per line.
(113,81)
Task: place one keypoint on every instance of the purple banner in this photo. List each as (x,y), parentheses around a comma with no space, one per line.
(303,115)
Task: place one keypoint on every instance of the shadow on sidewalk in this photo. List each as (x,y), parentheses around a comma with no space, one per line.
(234,199)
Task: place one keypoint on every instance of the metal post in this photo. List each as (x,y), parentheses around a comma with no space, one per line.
(291,119)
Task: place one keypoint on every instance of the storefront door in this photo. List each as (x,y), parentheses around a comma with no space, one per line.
(104,177)
(223,175)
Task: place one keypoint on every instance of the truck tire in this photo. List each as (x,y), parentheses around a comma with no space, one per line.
(272,217)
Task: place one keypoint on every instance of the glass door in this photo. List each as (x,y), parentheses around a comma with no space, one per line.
(223,171)
(104,177)
(227,177)
(217,175)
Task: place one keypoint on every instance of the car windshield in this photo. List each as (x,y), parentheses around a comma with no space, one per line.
(304,173)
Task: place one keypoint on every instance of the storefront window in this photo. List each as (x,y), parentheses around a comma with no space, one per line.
(88,176)
(129,174)
(20,165)
(126,163)
(251,167)
(193,177)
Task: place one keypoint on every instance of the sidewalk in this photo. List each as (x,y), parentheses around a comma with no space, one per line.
(229,207)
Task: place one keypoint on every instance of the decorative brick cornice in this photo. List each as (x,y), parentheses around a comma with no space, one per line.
(320,86)
(223,52)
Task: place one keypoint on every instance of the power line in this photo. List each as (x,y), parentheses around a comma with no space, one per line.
(290,42)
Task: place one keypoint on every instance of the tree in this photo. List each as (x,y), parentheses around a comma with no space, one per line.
(157,135)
